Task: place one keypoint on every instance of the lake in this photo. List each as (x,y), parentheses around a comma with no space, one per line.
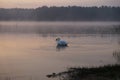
(28,49)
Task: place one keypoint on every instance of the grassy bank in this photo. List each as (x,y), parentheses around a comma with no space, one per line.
(108,72)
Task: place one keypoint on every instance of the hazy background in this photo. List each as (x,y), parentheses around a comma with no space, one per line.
(39,3)
(28,49)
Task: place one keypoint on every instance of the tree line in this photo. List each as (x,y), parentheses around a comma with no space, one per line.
(69,13)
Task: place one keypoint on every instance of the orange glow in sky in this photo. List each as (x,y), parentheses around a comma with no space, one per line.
(39,3)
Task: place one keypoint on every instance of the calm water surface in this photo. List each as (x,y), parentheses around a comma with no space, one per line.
(31,56)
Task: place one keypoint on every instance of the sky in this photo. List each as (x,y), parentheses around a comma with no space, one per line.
(39,3)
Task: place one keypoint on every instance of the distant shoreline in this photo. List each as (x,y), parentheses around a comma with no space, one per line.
(70,13)
(65,20)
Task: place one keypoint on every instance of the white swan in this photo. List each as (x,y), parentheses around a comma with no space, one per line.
(61,42)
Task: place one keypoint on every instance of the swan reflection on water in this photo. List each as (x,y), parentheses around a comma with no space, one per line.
(59,48)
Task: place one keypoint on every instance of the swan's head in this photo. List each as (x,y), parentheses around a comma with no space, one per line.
(57,39)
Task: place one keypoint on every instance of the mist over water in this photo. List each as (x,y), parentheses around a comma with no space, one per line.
(28,49)
(58,27)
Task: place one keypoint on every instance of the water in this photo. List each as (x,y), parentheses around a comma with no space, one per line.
(28,49)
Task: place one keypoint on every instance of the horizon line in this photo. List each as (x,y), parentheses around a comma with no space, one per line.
(60,6)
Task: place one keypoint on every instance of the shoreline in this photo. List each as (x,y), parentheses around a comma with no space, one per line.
(107,72)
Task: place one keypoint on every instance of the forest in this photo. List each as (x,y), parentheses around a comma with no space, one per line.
(69,13)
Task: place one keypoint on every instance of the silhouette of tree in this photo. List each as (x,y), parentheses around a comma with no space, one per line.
(70,13)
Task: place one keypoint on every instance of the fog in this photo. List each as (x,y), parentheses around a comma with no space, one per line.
(59,27)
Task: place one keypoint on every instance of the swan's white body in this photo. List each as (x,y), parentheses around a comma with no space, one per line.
(61,42)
